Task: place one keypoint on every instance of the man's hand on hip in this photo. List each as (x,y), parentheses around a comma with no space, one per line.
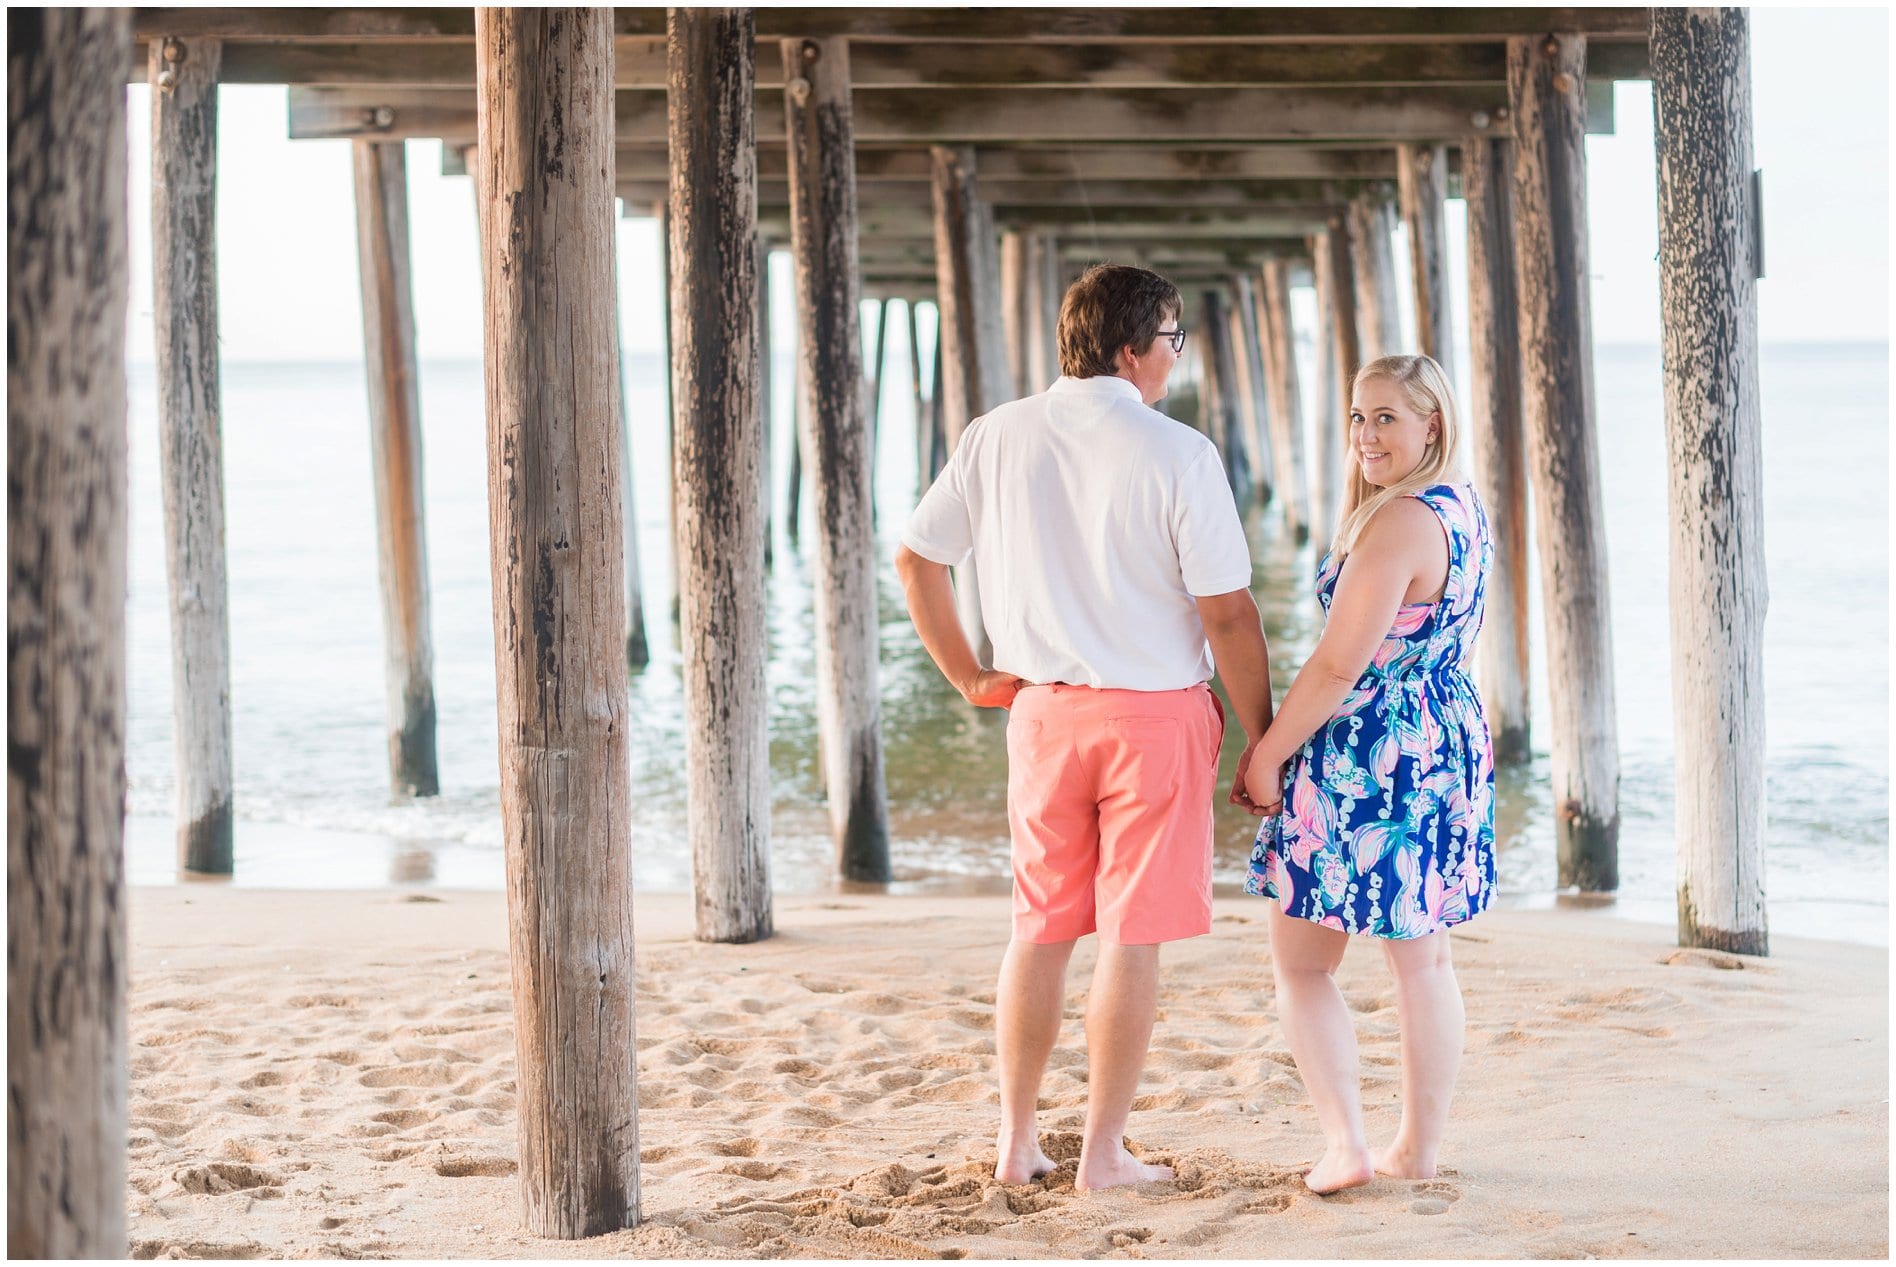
(991,688)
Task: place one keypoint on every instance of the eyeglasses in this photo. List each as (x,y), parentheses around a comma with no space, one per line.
(1177,338)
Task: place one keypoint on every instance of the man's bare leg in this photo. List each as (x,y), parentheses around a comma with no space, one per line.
(1120,1006)
(1027,1009)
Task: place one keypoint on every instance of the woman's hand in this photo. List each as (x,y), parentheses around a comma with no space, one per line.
(1264,785)
(991,688)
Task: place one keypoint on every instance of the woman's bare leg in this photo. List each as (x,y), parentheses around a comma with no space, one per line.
(1429,1009)
(1304,959)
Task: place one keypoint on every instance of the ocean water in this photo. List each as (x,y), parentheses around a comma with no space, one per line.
(313,804)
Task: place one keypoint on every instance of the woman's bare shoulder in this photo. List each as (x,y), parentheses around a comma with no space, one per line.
(1405,528)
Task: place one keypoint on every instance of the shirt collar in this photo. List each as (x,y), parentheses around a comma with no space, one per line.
(1105,385)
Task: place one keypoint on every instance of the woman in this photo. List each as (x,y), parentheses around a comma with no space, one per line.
(1389,831)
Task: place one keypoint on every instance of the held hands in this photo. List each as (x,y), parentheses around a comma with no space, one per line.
(991,688)
(1258,787)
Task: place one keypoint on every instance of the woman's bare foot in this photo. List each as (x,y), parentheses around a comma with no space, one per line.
(1115,1171)
(1022,1164)
(1340,1168)
(1403,1163)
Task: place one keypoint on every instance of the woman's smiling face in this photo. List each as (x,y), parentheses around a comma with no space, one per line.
(1388,438)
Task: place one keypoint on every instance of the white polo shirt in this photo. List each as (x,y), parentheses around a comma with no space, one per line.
(1093,522)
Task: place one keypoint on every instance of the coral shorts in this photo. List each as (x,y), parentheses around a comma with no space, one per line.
(1109,804)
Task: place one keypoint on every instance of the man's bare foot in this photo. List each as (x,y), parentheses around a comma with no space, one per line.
(1023,1164)
(1401,1163)
(1340,1169)
(1116,1170)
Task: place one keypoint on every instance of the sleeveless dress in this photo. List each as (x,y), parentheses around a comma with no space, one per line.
(1388,823)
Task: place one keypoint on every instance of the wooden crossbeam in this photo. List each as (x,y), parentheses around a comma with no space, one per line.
(1303,195)
(1001,115)
(640,64)
(1042,26)
(1074,162)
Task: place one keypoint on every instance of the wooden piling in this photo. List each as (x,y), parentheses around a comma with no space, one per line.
(1336,278)
(67,543)
(638,648)
(1497,442)
(661,212)
(799,425)
(1286,412)
(388,339)
(924,436)
(545,119)
(973,364)
(1043,350)
(937,429)
(1423,182)
(1016,304)
(718,484)
(1378,326)
(1220,398)
(190,441)
(823,233)
(766,389)
(1546,76)
(1247,371)
(1708,270)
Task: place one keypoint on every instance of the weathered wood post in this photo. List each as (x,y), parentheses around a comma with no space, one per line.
(873,386)
(661,212)
(799,414)
(545,117)
(1373,260)
(937,429)
(923,438)
(766,384)
(718,483)
(190,440)
(1498,445)
(1254,408)
(1546,82)
(1330,408)
(1016,305)
(388,339)
(67,542)
(823,235)
(1335,277)
(638,648)
(1286,412)
(1422,172)
(1052,292)
(970,380)
(1220,398)
(1709,264)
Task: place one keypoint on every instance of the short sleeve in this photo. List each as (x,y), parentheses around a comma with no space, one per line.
(1213,556)
(941,529)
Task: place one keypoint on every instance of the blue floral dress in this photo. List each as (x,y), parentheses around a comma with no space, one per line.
(1388,823)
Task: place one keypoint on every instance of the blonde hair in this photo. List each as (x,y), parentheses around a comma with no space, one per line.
(1426,385)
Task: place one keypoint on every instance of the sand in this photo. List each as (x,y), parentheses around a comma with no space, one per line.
(322,1075)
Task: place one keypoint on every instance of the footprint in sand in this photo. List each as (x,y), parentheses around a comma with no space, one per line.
(219,1177)
(1434,1197)
(484,1166)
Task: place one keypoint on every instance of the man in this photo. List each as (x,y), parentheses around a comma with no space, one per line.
(1109,554)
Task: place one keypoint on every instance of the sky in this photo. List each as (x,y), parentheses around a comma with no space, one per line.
(288,283)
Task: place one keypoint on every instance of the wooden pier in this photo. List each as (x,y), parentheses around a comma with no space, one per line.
(969,159)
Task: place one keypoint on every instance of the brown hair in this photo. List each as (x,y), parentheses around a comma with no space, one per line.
(1110,307)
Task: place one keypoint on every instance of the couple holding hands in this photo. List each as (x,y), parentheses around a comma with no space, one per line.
(1114,575)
